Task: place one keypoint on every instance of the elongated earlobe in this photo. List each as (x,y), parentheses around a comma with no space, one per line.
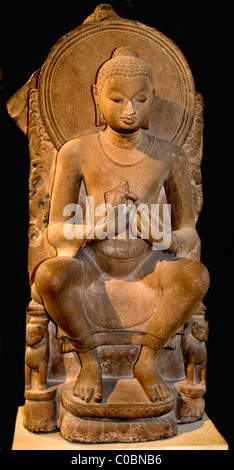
(146,124)
(100,121)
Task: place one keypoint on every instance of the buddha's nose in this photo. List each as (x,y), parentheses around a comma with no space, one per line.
(129,108)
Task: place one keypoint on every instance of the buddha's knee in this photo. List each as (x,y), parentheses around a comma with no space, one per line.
(189,276)
(194,277)
(55,275)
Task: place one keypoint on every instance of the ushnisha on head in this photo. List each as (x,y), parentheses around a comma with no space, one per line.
(124,89)
(125,62)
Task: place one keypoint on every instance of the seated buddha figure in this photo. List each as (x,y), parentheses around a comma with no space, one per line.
(112,286)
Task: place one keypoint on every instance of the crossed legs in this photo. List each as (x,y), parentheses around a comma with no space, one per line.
(182,283)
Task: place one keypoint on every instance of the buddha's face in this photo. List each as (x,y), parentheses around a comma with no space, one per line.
(126,101)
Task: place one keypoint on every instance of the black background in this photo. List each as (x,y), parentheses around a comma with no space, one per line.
(202,33)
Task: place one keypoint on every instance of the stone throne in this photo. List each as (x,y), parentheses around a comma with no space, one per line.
(55,106)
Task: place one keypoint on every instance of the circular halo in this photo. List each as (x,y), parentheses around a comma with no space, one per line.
(65,97)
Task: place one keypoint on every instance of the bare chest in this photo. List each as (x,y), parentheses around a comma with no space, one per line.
(144,179)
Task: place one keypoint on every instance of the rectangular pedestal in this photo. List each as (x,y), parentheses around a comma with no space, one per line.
(201,435)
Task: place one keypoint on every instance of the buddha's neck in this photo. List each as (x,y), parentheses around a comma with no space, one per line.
(127,141)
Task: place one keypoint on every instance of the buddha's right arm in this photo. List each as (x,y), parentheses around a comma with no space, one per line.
(67,230)
(68,175)
(68,238)
(64,246)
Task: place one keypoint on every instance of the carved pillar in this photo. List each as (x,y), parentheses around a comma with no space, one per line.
(190,399)
(40,412)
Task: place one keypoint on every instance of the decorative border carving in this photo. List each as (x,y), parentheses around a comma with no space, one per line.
(193,147)
(42,155)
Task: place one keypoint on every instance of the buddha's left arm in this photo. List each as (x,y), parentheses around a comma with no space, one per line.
(179,195)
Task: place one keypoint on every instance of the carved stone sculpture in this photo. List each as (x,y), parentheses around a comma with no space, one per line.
(115,139)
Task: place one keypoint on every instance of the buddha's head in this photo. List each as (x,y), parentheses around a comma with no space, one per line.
(123,92)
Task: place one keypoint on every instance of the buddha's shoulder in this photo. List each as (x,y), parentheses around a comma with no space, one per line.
(167,145)
(77,146)
(168,150)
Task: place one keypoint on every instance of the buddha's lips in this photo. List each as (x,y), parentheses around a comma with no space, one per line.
(128,120)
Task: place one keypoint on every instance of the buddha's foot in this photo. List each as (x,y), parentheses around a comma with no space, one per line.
(88,384)
(148,376)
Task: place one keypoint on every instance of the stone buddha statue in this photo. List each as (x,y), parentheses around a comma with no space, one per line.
(115,280)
